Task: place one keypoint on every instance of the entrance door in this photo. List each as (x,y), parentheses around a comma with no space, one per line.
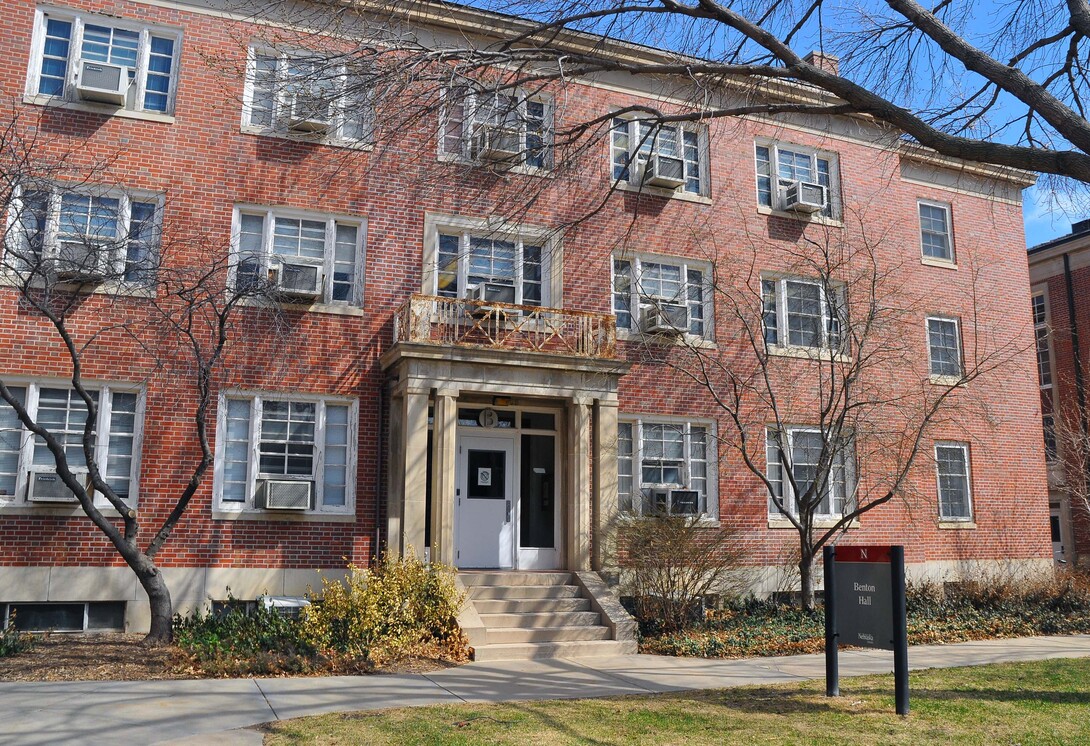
(1057,536)
(484,529)
(539,515)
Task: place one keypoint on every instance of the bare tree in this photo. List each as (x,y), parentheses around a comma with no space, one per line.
(89,273)
(818,391)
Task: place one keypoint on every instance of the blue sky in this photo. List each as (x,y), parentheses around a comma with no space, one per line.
(1050,216)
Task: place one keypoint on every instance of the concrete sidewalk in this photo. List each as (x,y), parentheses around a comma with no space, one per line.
(220,711)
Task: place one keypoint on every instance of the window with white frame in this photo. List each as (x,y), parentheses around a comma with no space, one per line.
(503,127)
(802,313)
(635,141)
(61,411)
(936,236)
(105,60)
(806,456)
(268,440)
(955,492)
(1042,337)
(299,255)
(666,467)
(307,94)
(676,289)
(781,166)
(944,347)
(511,268)
(85,233)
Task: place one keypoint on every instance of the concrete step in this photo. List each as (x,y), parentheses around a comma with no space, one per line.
(530,605)
(524,592)
(532,651)
(543,619)
(501,635)
(484,577)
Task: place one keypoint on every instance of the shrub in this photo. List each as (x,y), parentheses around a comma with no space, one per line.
(400,607)
(12,641)
(237,642)
(674,563)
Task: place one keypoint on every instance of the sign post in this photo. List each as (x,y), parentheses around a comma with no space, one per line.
(865,606)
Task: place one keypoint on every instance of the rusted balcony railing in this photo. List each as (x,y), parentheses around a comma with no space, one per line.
(434,320)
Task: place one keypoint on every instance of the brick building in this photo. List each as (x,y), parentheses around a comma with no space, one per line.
(388,383)
(1059,271)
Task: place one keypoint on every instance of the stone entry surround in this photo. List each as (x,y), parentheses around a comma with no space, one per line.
(426,375)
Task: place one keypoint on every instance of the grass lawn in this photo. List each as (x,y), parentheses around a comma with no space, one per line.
(1046,702)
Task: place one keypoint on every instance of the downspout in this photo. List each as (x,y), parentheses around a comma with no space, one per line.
(1076,355)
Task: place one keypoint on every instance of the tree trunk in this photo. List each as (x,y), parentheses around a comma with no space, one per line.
(162,610)
(806,576)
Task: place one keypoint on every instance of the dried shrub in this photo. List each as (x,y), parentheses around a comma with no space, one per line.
(400,608)
(12,641)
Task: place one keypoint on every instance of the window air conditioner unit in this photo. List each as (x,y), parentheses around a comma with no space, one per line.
(803,196)
(684,502)
(44,485)
(97,81)
(488,292)
(286,606)
(308,113)
(494,143)
(665,318)
(283,494)
(664,171)
(80,261)
(296,280)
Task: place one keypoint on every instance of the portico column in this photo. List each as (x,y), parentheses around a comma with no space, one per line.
(415,436)
(606,509)
(444,450)
(579,484)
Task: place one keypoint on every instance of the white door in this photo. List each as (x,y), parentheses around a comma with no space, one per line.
(484,497)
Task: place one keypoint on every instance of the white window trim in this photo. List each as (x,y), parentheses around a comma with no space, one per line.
(105,404)
(941,378)
(635,260)
(116,285)
(1047,325)
(520,168)
(711,499)
(271,213)
(789,498)
(783,347)
(276,129)
(79,20)
(704,162)
(969,518)
(938,260)
(835,196)
(256,398)
(550,241)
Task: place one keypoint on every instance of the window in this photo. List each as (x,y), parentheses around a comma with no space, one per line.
(301,255)
(147,58)
(802,313)
(1043,340)
(308,95)
(64,413)
(1048,427)
(306,440)
(104,235)
(634,141)
(944,347)
(640,284)
(935,235)
(514,129)
(779,166)
(515,270)
(952,464)
(666,467)
(798,451)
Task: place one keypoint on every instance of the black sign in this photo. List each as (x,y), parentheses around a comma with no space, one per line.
(864,597)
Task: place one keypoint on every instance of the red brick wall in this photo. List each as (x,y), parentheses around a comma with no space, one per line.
(205,165)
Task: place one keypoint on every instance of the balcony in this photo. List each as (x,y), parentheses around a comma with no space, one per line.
(432,320)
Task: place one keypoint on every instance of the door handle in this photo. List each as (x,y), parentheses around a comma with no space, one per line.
(508,518)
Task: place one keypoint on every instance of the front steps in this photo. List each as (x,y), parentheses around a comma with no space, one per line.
(535,615)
